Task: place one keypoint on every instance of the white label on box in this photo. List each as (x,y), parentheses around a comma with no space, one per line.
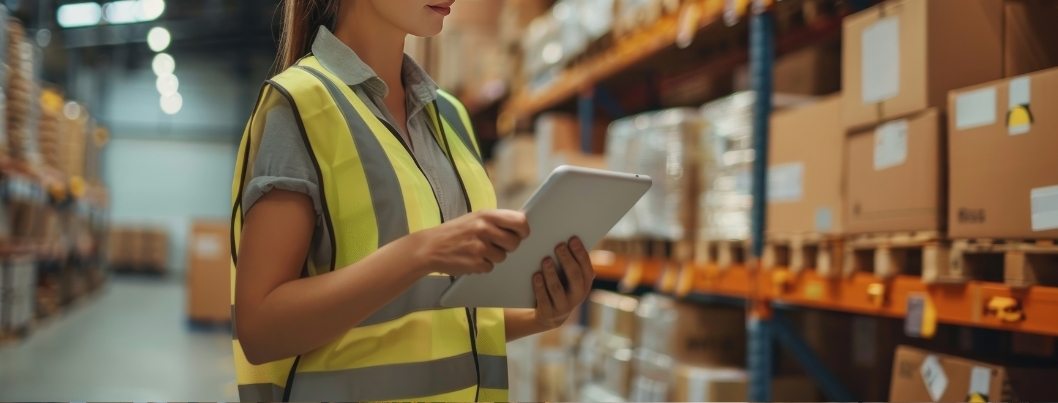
(1044,208)
(880,71)
(975,109)
(824,219)
(890,145)
(1018,122)
(207,246)
(980,381)
(934,377)
(786,182)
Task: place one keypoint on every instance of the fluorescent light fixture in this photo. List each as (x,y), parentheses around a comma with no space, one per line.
(150,10)
(158,39)
(163,64)
(79,14)
(121,12)
(167,85)
(171,104)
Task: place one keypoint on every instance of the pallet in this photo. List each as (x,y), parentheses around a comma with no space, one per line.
(1022,262)
(919,253)
(723,253)
(824,253)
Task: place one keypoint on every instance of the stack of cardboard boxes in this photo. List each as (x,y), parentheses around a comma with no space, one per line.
(138,249)
(878,158)
(922,376)
(18,287)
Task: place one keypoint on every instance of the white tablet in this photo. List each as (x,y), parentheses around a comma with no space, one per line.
(573,201)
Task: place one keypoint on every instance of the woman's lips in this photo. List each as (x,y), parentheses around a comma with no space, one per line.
(443,10)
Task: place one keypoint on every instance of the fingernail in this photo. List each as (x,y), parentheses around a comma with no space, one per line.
(538,278)
(576,242)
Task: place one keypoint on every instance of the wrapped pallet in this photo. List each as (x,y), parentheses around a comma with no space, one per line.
(51,134)
(22,89)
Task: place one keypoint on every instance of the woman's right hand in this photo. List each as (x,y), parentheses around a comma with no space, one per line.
(473,243)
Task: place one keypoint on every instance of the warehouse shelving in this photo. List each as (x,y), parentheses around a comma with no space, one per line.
(861,293)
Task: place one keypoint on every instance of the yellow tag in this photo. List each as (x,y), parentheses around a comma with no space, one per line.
(876,293)
(779,280)
(57,190)
(667,283)
(77,186)
(977,398)
(686,282)
(814,290)
(632,277)
(921,320)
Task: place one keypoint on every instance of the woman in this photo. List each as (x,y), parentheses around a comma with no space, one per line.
(359,193)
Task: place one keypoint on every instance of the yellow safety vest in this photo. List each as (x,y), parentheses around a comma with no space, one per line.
(372,192)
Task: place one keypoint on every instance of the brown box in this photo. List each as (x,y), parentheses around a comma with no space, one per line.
(703,384)
(208,274)
(923,376)
(1003,173)
(613,314)
(903,56)
(814,70)
(1030,36)
(896,176)
(806,161)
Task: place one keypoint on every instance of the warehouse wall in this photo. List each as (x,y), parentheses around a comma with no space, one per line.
(170,170)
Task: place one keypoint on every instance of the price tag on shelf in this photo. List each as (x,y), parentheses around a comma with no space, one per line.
(921,320)
(633,276)
(685,283)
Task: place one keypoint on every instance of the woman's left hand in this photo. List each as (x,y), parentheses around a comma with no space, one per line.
(555,302)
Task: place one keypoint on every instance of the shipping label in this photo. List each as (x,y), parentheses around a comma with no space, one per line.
(1044,208)
(880,62)
(786,182)
(890,145)
(975,109)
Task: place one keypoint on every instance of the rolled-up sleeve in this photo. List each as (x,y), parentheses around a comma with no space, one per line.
(282,161)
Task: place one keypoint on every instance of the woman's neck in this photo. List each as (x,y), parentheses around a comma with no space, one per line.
(376,42)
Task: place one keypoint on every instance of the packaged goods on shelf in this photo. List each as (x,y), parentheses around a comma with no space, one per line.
(613,315)
(515,18)
(516,176)
(895,173)
(1030,40)
(551,42)
(671,151)
(622,155)
(814,70)
(993,193)
(74,125)
(727,200)
(596,16)
(555,133)
(98,138)
(22,92)
(806,165)
(617,372)
(692,333)
(633,14)
(593,392)
(705,384)
(18,293)
(920,375)
(51,128)
(653,377)
(208,280)
(902,57)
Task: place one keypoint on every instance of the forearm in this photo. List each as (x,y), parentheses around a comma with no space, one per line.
(519,323)
(304,314)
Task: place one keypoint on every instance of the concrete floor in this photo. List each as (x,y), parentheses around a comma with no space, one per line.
(131,343)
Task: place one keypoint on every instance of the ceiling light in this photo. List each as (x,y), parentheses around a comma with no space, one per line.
(171,104)
(151,9)
(163,64)
(122,11)
(79,14)
(158,39)
(167,84)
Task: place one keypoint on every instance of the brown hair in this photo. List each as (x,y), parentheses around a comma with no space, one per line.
(301,19)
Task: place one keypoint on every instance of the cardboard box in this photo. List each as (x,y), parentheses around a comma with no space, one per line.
(901,57)
(208,274)
(814,70)
(692,333)
(1001,174)
(923,376)
(806,161)
(612,314)
(704,384)
(1030,36)
(896,178)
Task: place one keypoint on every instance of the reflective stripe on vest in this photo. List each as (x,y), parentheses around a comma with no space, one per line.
(375,193)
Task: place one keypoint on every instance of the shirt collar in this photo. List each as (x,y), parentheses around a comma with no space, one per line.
(335,56)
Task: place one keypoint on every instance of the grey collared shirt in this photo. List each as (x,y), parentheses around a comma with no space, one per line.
(282,161)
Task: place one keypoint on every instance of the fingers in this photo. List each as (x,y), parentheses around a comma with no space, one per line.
(494,254)
(544,309)
(571,269)
(506,240)
(554,286)
(514,221)
(580,253)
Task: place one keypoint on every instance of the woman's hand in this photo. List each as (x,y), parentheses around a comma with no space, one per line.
(554,301)
(473,243)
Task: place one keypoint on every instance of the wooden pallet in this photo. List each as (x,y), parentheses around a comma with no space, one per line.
(922,253)
(1021,262)
(723,253)
(824,253)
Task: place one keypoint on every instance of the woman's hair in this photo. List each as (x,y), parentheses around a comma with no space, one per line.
(301,20)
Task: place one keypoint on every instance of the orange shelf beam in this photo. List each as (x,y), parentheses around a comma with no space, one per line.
(863,293)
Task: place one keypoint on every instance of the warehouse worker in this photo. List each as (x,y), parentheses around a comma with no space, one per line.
(358,193)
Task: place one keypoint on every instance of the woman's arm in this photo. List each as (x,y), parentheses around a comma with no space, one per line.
(280,315)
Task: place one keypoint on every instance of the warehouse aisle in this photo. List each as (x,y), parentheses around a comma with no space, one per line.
(129,344)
